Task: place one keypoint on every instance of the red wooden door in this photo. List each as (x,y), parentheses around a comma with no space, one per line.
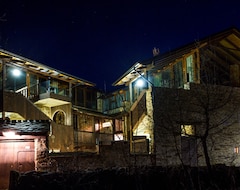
(15,155)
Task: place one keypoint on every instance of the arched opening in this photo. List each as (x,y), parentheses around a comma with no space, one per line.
(59,117)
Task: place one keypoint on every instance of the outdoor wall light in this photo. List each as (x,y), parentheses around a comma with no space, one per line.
(16,72)
(9,134)
(140,82)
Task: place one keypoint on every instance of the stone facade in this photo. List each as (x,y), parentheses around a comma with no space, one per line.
(116,155)
(219,118)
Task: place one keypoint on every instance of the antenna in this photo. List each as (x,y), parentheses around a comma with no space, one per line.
(104,86)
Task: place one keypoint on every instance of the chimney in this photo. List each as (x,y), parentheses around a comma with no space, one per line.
(155,51)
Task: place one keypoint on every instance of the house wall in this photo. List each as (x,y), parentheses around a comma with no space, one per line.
(61,138)
(66,108)
(224,146)
(176,107)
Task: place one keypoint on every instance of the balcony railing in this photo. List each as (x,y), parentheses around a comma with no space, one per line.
(23,91)
(140,146)
(35,90)
(88,141)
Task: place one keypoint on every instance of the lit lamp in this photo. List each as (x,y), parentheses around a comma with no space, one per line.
(8,134)
(16,73)
(140,82)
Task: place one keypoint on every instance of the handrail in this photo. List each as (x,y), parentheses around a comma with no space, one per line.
(23,91)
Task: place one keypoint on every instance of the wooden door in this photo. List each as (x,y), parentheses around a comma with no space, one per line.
(15,155)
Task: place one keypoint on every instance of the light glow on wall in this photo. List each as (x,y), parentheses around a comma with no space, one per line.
(9,134)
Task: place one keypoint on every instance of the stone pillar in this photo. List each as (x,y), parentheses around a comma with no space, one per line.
(41,154)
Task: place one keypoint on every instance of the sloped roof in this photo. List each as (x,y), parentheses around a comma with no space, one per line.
(36,67)
(131,73)
(224,44)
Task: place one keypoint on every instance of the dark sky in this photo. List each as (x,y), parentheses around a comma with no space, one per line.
(99,40)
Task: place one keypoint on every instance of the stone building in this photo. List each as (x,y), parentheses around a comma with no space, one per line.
(167,121)
(174,129)
(187,119)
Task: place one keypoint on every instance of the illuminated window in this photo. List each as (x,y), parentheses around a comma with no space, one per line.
(187,130)
(97,127)
(106,124)
(236,150)
(118,137)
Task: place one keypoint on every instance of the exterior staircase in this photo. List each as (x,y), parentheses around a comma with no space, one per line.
(18,103)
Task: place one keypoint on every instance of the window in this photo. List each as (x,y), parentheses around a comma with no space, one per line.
(136,91)
(59,118)
(118,136)
(187,130)
(79,97)
(91,99)
(236,150)
(112,104)
(12,81)
(166,78)
(188,145)
(85,97)
(178,74)
(190,68)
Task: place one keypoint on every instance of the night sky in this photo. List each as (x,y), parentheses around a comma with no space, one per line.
(99,40)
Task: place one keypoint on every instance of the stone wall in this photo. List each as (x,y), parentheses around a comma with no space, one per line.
(176,107)
(224,146)
(116,155)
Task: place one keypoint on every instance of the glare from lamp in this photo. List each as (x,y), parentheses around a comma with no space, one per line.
(16,72)
(9,134)
(140,82)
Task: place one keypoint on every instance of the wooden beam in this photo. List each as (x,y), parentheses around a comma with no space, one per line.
(227,54)
(222,63)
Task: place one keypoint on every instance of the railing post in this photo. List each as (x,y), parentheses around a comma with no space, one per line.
(3,87)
